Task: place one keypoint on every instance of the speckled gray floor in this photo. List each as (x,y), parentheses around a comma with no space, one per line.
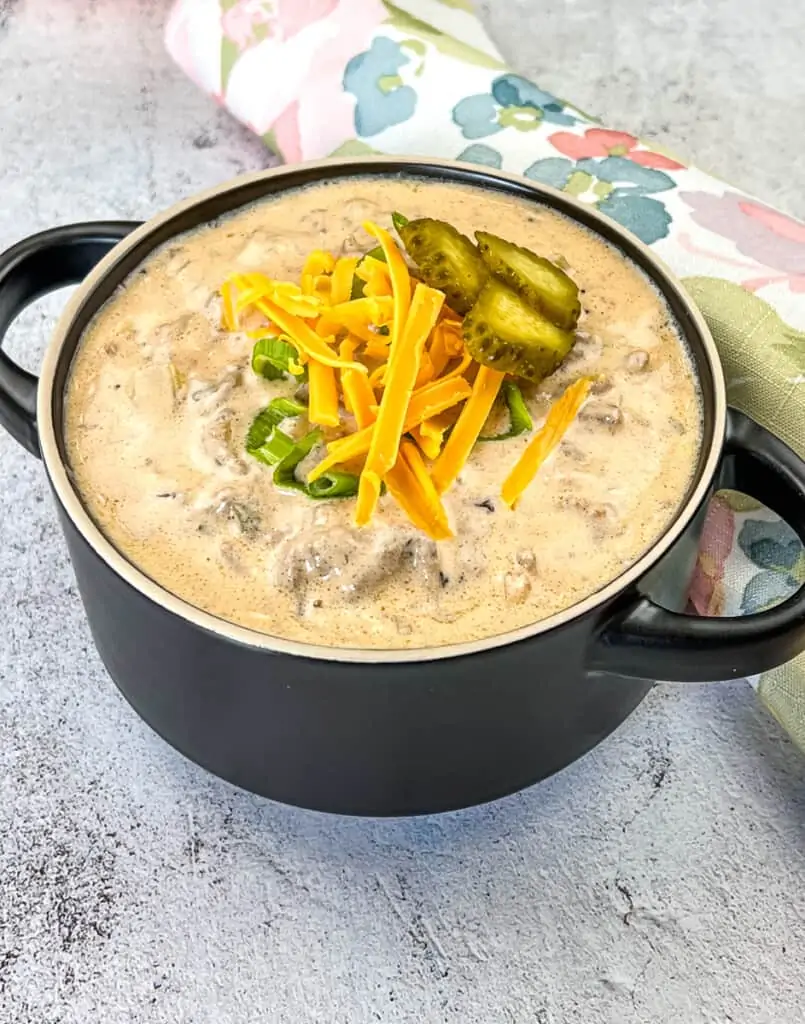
(659,881)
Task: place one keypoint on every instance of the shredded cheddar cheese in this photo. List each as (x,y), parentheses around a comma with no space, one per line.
(323,407)
(358,394)
(400,383)
(343,273)
(377,347)
(561,415)
(426,371)
(429,434)
(400,280)
(424,404)
(412,488)
(394,360)
(229,317)
(376,276)
(304,337)
(358,317)
(319,262)
(468,427)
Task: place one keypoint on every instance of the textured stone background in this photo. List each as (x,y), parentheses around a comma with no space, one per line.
(659,880)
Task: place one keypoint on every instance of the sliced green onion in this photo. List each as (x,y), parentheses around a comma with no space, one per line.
(399,220)
(277,410)
(273,449)
(273,446)
(519,416)
(284,473)
(265,441)
(272,358)
(329,485)
(334,485)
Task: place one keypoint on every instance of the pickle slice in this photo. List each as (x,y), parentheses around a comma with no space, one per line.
(447,260)
(541,283)
(504,332)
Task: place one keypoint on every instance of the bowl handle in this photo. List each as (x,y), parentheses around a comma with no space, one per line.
(32,268)
(644,641)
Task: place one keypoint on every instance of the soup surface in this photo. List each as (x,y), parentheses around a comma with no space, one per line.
(161,399)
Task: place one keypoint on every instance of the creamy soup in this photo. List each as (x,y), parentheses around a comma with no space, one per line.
(161,399)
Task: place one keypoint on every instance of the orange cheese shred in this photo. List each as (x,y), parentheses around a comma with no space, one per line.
(323,402)
(459,369)
(400,280)
(426,371)
(319,262)
(559,418)
(318,287)
(370,267)
(315,272)
(229,313)
(343,273)
(424,404)
(411,487)
(254,286)
(429,435)
(429,445)
(358,394)
(467,428)
(357,316)
(377,348)
(453,340)
(304,338)
(376,276)
(377,378)
(439,356)
(400,381)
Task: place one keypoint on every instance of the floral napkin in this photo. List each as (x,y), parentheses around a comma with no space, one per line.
(320,78)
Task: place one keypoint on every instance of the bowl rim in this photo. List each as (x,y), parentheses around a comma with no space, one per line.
(68,496)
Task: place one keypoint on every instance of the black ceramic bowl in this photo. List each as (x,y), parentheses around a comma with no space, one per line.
(392,732)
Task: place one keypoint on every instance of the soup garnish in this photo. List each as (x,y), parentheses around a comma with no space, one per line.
(398,337)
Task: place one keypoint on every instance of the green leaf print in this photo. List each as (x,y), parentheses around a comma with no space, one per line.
(446,44)
(762,355)
(459,5)
(354,147)
(229,50)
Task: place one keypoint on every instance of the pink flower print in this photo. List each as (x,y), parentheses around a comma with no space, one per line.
(707,586)
(194,42)
(286,134)
(601,142)
(292,82)
(248,22)
(774,242)
(295,15)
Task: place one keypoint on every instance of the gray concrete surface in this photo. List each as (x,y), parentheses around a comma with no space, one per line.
(720,81)
(658,881)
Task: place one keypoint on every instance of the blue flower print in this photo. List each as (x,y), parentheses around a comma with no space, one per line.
(477,117)
(770,545)
(514,102)
(553,170)
(373,79)
(616,186)
(514,91)
(644,217)
(776,550)
(480,154)
(763,591)
(617,170)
